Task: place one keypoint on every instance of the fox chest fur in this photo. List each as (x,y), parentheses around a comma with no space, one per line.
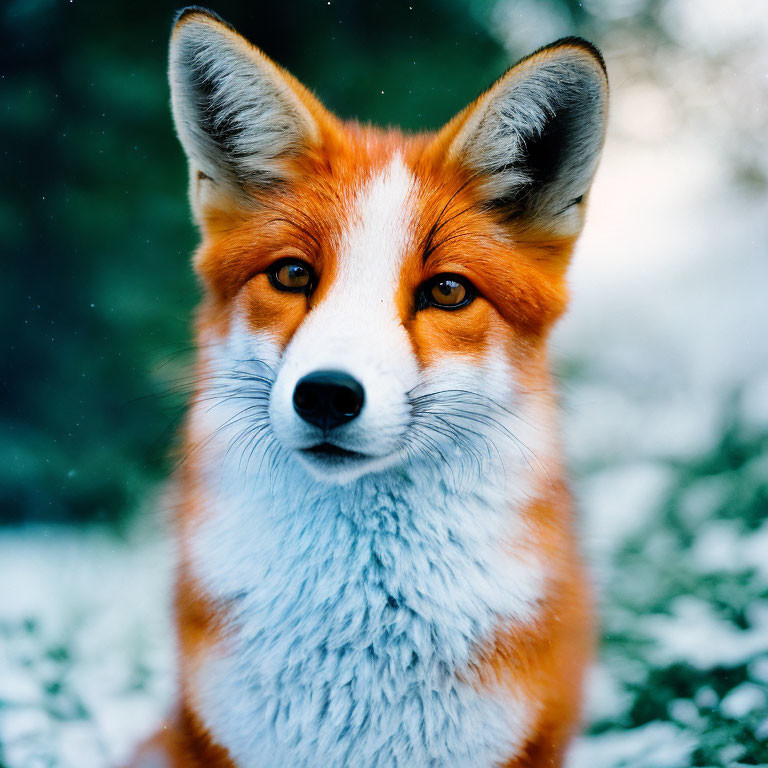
(377,565)
(353,623)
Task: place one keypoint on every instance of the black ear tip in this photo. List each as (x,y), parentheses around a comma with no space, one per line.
(198,10)
(572,42)
(580,42)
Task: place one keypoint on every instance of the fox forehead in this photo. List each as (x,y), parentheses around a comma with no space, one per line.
(380,213)
(378,229)
(359,193)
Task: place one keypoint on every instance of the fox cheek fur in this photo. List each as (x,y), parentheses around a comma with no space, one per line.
(377,564)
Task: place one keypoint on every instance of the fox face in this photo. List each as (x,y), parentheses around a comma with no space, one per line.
(383,300)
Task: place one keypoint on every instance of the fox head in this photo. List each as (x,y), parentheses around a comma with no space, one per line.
(375,301)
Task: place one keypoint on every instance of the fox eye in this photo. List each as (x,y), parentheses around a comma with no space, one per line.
(446,292)
(291,275)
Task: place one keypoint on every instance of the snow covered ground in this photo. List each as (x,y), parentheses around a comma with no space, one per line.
(85,646)
(664,367)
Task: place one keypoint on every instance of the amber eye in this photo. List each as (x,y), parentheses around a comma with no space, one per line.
(292,275)
(446,292)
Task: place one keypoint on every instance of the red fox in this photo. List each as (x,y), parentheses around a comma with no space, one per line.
(377,558)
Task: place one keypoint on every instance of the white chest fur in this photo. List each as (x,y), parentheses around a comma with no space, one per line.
(354,615)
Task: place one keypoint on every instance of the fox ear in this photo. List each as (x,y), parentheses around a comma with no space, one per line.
(534,137)
(239,117)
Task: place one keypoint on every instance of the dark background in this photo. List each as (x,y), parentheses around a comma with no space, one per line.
(96,292)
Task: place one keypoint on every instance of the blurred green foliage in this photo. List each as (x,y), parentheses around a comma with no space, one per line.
(665,561)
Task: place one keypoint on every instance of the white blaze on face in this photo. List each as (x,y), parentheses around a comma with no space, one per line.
(356,329)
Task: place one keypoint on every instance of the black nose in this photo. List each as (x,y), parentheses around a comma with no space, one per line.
(328,399)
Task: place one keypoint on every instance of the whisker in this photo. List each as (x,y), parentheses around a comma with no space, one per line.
(467,420)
